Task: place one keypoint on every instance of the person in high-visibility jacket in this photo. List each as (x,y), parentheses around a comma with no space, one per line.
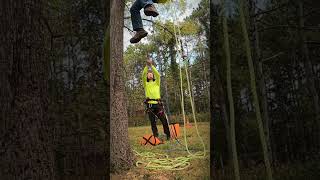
(149,10)
(151,84)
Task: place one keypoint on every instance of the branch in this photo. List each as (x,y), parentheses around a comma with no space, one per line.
(313,42)
(269,11)
(128,28)
(311,28)
(269,58)
(163,27)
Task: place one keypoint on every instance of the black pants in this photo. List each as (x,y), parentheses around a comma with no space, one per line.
(154,113)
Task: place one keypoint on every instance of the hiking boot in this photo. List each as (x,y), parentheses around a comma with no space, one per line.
(138,36)
(150,10)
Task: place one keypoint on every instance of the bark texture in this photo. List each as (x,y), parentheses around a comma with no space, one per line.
(26,149)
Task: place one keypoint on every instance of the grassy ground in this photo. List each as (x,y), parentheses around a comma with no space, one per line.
(199,168)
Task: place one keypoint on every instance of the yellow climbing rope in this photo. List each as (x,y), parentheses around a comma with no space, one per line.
(179,44)
(157,161)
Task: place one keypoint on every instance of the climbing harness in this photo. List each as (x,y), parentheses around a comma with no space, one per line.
(148,107)
(174,128)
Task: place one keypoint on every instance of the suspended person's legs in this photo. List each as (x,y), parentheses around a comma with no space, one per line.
(150,10)
(153,120)
(137,25)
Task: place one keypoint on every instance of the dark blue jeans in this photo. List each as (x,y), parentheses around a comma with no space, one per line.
(135,13)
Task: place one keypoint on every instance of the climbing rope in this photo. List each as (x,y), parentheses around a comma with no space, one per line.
(157,161)
(179,44)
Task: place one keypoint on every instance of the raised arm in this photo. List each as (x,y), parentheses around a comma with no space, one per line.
(144,76)
(156,74)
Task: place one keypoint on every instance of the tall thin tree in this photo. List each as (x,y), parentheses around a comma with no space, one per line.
(311,80)
(261,81)
(254,91)
(230,96)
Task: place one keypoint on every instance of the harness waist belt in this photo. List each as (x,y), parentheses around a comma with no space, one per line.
(153,99)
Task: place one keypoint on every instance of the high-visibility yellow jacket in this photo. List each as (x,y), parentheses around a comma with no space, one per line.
(152,88)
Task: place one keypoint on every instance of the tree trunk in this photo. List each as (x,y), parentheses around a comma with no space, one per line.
(254,92)
(121,156)
(230,96)
(262,88)
(224,112)
(25,137)
(308,68)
